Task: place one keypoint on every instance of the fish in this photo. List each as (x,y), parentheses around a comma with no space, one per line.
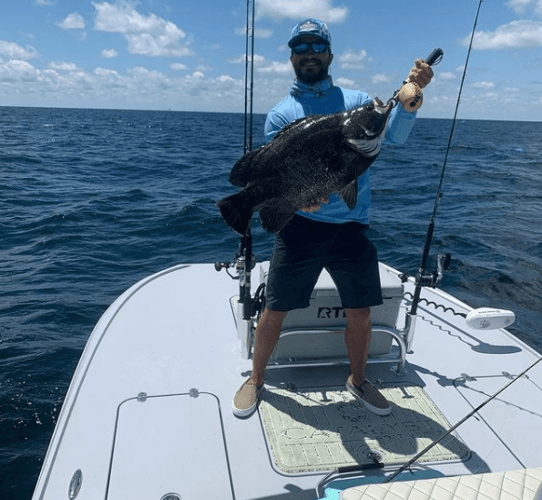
(305,162)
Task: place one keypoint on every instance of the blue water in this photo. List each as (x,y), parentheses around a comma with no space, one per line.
(91,201)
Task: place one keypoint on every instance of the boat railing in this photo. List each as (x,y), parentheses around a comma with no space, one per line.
(327,348)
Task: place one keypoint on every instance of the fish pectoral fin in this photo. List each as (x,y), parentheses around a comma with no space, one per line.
(349,194)
(368,146)
(274,219)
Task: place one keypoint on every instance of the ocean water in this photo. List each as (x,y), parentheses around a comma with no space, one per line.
(91,201)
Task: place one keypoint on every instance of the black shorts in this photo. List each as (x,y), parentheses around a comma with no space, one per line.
(304,247)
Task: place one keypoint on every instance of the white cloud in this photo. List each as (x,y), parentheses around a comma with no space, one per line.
(148,35)
(515,35)
(106,72)
(63,66)
(18,71)
(225,79)
(142,72)
(258,32)
(483,85)
(177,66)
(64,84)
(520,6)
(73,21)
(15,51)
(109,53)
(276,67)
(447,75)
(287,9)
(353,60)
(258,60)
(345,82)
(381,78)
(197,75)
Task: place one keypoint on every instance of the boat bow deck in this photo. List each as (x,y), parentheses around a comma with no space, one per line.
(149,408)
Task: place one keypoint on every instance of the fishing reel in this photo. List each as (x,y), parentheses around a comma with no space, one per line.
(238,264)
(243,264)
(432,279)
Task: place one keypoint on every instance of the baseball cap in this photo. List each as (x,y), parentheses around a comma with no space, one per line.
(312,27)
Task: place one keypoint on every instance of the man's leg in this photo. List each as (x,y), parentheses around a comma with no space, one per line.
(267,335)
(357,337)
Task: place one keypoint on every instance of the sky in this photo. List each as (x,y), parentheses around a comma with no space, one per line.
(188,55)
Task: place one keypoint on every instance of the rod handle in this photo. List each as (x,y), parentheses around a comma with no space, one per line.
(434,57)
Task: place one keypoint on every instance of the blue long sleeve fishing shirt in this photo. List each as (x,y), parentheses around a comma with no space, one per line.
(326,98)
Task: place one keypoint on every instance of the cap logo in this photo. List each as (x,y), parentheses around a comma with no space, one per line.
(309,26)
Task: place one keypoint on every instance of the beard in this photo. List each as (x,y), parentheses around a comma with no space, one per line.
(310,74)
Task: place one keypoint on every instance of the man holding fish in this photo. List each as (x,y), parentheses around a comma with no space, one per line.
(327,232)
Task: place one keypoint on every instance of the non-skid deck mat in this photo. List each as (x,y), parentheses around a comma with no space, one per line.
(320,429)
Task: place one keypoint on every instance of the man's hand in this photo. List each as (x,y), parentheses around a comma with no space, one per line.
(411,95)
(421,73)
(314,205)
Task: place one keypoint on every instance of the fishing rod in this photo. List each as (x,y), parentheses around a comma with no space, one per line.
(422,278)
(464,419)
(244,255)
(244,260)
(249,73)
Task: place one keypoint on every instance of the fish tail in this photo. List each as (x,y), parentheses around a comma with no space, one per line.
(236,211)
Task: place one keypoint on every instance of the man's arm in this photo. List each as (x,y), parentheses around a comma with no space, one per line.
(401,119)
(274,122)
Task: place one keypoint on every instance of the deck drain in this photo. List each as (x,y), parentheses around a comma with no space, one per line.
(171,496)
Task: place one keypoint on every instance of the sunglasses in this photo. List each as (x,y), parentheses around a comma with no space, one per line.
(317,48)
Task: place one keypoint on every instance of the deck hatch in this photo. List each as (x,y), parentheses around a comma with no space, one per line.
(168,444)
(320,429)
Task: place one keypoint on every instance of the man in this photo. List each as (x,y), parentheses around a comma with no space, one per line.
(326,233)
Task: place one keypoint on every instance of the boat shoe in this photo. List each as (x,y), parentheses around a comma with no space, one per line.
(370,396)
(246,400)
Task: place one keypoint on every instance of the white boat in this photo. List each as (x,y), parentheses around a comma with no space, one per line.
(148,412)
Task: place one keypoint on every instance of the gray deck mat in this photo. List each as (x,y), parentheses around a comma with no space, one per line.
(320,429)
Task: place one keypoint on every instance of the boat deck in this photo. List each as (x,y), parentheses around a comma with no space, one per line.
(149,409)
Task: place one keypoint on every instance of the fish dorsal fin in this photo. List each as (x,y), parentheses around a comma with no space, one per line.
(349,194)
(273,219)
(240,172)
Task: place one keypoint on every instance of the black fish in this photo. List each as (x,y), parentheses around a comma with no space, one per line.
(306,161)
